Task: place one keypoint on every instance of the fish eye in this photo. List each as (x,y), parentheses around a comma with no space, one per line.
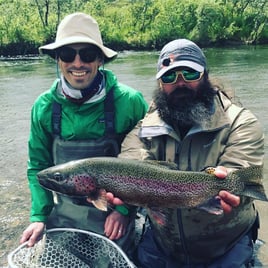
(57,176)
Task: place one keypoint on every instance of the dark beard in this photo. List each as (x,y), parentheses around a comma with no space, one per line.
(186,107)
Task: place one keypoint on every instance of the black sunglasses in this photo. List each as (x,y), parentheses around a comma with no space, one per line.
(88,54)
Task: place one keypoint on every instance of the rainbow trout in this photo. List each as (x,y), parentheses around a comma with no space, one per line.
(147,183)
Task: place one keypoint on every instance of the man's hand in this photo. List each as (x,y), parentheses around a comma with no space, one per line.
(109,197)
(114,200)
(228,200)
(115,225)
(33,233)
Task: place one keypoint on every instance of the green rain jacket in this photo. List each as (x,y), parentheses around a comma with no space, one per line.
(233,139)
(78,122)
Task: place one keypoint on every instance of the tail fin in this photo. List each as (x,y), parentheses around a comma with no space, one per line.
(256,192)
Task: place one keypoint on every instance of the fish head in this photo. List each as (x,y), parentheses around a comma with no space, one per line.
(69,179)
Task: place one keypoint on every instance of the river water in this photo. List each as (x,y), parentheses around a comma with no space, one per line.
(245,69)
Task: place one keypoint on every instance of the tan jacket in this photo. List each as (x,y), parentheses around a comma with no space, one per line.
(234,139)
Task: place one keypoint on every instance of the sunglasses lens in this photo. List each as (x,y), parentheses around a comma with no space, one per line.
(67,54)
(191,76)
(169,77)
(88,55)
(188,76)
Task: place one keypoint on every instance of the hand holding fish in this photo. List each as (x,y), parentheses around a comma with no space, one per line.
(116,223)
(111,199)
(228,200)
(114,200)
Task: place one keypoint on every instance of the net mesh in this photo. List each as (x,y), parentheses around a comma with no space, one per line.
(64,247)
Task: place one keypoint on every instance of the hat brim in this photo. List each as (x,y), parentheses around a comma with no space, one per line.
(50,49)
(181,63)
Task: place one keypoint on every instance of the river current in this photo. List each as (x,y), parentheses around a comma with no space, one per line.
(245,69)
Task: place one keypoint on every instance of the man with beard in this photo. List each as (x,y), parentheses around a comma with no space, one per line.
(196,125)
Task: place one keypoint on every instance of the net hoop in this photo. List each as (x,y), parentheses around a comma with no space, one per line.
(44,252)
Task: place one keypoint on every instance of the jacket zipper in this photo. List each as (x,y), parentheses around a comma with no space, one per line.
(181,231)
(179,217)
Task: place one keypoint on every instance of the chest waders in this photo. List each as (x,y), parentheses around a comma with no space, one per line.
(75,212)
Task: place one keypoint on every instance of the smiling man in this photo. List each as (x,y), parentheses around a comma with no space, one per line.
(86,113)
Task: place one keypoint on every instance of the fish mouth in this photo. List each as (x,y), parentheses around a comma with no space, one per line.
(55,182)
(55,186)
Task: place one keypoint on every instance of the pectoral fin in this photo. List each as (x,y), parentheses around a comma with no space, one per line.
(212,206)
(101,201)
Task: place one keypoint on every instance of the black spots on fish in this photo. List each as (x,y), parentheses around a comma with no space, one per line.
(84,184)
(162,164)
(250,175)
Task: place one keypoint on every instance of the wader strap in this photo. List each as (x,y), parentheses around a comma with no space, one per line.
(56,118)
(108,115)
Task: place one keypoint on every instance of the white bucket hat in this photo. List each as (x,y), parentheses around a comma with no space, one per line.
(78,28)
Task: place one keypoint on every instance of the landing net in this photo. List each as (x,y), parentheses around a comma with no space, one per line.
(70,248)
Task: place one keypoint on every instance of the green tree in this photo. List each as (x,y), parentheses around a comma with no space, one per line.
(135,24)
(210,26)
